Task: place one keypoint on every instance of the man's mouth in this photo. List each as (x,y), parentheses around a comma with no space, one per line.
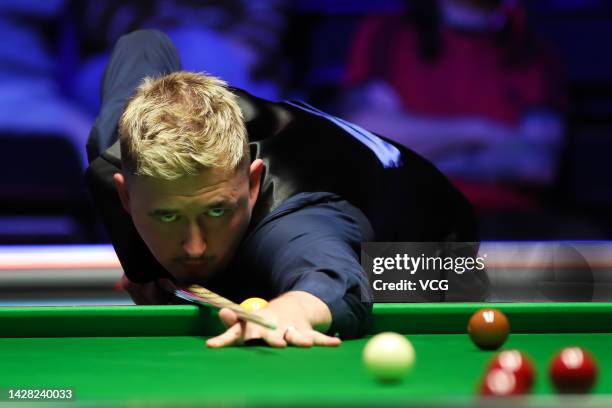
(193,266)
(198,262)
(192,269)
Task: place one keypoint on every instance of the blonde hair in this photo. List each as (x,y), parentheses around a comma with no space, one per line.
(179,124)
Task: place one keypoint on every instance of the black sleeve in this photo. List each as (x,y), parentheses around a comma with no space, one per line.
(316,249)
(136,55)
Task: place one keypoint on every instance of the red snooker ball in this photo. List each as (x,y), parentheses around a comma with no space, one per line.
(573,371)
(499,383)
(517,363)
(488,328)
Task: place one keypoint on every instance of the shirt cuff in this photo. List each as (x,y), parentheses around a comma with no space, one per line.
(350,314)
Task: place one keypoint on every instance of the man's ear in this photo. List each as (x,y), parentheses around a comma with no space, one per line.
(255,172)
(122,191)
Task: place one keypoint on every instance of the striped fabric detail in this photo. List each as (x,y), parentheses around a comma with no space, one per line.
(388,155)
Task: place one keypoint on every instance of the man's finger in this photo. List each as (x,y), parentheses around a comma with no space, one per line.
(274,338)
(298,338)
(142,293)
(321,339)
(166,284)
(228,317)
(230,337)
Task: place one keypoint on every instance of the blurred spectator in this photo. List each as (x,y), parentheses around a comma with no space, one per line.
(33,100)
(51,65)
(237,40)
(467,85)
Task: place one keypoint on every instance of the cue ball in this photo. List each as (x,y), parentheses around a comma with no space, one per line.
(253,304)
(388,356)
(488,328)
(573,371)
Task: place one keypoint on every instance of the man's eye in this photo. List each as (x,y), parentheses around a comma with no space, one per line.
(168,217)
(216,212)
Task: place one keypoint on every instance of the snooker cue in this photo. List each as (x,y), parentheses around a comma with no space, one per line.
(199,294)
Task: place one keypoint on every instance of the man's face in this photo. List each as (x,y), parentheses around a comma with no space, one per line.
(192,225)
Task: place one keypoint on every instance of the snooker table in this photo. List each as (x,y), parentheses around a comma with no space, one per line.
(155,355)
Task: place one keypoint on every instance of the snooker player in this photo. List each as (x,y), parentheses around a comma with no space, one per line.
(201,183)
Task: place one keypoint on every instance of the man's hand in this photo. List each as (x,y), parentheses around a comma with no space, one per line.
(298,316)
(144,293)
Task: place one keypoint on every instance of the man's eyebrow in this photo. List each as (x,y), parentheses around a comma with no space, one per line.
(163,211)
(221,203)
(214,204)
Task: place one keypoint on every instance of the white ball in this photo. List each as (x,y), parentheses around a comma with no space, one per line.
(388,356)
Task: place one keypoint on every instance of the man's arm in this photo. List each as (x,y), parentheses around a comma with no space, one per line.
(303,311)
(469,147)
(136,55)
(310,258)
(529,154)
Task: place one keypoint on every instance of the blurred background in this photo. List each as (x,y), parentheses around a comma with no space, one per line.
(511,99)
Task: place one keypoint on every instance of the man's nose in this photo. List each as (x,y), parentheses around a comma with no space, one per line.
(194,243)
